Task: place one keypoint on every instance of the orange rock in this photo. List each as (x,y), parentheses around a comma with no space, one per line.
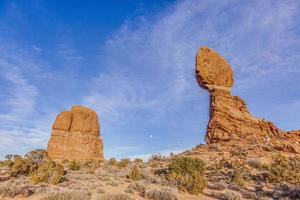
(76,136)
(212,69)
(229,116)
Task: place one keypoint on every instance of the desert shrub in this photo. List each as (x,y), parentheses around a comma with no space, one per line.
(37,155)
(157,157)
(164,194)
(123,163)
(239,151)
(116,197)
(231,196)
(255,163)
(26,165)
(186,165)
(74,166)
(155,160)
(48,172)
(193,184)
(20,166)
(135,173)
(67,195)
(8,156)
(138,186)
(187,174)
(154,164)
(285,169)
(35,158)
(138,160)
(238,178)
(93,164)
(217,186)
(113,162)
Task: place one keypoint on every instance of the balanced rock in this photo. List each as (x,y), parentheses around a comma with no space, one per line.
(229,117)
(76,136)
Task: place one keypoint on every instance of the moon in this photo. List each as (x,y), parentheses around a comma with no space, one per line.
(150,136)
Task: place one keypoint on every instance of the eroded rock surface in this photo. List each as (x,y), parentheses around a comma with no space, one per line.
(229,117)
(76,136)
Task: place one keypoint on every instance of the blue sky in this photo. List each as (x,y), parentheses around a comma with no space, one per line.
(133,62)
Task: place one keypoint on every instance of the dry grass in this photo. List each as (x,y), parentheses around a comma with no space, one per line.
(12,188)
(138,186)
(231,196)
(67,195)
(163,194)
(116,197)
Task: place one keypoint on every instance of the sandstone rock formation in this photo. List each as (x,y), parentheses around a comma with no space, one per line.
(229,116)
(76,136)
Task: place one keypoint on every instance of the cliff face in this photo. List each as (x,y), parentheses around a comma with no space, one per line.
(76,136)
(229,116)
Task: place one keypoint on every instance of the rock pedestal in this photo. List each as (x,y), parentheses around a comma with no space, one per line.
(229,116)
(76,136)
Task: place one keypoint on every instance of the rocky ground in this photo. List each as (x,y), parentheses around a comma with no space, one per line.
(232,171)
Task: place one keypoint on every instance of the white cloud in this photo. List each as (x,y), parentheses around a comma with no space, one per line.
(22,128)
(18,95)
(150,60)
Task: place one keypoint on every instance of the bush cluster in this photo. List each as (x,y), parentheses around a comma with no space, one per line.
(36,165)
(48,172)
(187,174)
(285,169)
(123,163)
(113,162)
(74,166)
(138,186)
(135,173)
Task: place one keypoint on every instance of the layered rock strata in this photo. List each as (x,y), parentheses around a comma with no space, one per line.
(76,136)
(229,117)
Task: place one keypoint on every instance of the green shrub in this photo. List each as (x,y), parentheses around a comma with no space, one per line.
(113,162)
(187,174)
(123,163)
(74,166)
(285,169)
(48,172)
(238,178)
(186,166)
(135,173)
(241,172)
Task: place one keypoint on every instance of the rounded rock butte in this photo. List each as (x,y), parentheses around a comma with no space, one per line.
(229,116)
(76,136)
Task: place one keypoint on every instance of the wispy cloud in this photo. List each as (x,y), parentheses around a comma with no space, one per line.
(144,81)
(18,95)
(150,60)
